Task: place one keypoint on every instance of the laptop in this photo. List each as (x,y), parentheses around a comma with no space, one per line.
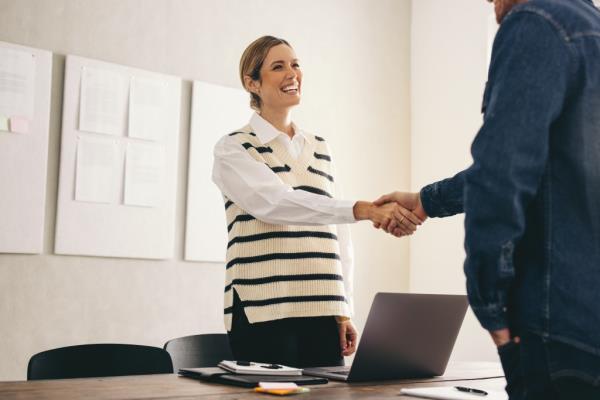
(406,336)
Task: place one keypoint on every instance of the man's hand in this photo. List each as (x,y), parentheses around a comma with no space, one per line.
(409,201)
(348,337)
(502,337)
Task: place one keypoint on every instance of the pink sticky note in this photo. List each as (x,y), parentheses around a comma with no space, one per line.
(19,125)
(278,385)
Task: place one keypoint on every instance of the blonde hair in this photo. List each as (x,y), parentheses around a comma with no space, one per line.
(252,60)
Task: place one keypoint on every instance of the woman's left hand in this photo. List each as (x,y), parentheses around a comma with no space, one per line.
(348,337)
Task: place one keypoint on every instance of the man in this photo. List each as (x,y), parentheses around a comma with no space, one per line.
(532,200)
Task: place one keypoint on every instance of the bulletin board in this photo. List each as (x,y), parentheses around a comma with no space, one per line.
(216,111)
(25,81)
(118,164)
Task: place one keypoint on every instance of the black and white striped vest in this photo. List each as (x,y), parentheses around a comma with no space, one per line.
(283,271)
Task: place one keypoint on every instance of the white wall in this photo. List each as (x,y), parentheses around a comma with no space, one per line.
(448,74)
(355,56)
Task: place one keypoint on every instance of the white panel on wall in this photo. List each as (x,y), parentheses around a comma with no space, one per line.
(118,170)
(216,111)
(25,80)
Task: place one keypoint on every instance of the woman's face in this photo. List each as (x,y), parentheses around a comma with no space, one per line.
(281,78)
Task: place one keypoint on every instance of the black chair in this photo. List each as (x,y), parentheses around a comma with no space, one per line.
(199,351)
(97,360)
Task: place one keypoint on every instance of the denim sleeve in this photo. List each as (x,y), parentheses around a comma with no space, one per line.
(444,198)
(529,79)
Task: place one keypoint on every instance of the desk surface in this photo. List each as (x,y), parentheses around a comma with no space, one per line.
(170,386)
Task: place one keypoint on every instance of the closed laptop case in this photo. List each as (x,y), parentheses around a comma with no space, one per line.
(217,375)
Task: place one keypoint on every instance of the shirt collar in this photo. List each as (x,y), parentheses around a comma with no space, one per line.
(266,132)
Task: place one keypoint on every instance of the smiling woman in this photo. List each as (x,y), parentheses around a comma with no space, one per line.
(288,289)
(274,79)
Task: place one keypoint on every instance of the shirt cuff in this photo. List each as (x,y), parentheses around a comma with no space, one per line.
(492,317)
(428,199)
(346,209)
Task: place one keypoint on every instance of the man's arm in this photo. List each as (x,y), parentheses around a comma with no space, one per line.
(529,78)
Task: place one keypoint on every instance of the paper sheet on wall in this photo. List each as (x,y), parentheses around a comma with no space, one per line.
(17,83)
(450,393)
(3,123)
(144,175)
(97,166)
(147,108)
(103,101)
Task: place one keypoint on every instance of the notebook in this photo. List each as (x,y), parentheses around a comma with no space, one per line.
(451,393)
(218,375)
(256,368)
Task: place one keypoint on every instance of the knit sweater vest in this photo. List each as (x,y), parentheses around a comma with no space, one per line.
(284,271)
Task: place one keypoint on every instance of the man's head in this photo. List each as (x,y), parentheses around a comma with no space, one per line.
(503,7)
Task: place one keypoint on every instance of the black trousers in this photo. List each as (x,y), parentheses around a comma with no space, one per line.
(296,342)
(542,369)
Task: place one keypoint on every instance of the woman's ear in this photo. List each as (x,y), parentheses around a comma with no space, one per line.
(251,85)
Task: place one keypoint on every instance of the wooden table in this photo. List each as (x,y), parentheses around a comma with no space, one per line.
(170,386)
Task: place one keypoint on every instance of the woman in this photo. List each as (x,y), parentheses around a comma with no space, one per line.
(288,287)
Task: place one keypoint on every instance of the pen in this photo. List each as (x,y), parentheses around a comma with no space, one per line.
(471,390)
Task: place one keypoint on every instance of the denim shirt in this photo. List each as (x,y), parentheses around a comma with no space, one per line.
(532,195)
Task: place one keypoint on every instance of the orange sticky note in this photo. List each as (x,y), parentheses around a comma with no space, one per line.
(3,123)
(19,125)
(280,388)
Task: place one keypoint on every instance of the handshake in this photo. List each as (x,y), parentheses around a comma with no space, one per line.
(397,213)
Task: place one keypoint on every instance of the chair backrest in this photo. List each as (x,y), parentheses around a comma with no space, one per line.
(199,351)
(96,360)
